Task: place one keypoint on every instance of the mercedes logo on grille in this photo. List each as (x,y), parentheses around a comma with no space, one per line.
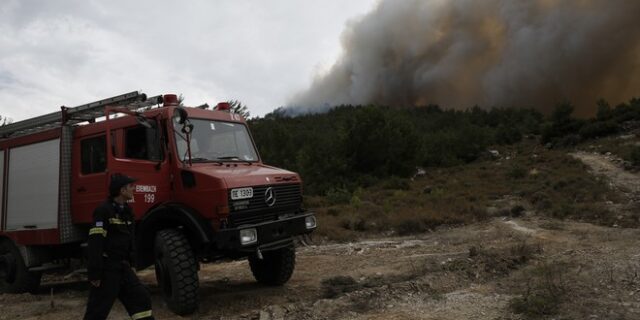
(270,197)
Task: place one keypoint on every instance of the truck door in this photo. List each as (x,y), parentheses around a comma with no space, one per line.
(143,157)
(1,189)
(89,186)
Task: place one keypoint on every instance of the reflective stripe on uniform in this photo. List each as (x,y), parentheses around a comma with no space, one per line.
(98,230)
(140,315)
(118,221)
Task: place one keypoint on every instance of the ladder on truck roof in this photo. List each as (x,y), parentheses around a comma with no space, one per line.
(69,116)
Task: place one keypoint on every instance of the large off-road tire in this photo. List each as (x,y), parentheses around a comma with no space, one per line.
(14,275)
(276,267)
(176,271)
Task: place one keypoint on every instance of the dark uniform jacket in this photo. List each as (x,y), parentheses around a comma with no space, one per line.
(110,237)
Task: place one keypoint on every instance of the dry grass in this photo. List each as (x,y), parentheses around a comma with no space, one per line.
(545,181)
(546,288)
(488,263)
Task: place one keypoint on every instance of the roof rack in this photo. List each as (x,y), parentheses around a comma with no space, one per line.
(69,116)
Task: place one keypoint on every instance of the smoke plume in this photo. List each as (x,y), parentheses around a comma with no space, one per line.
(461,53)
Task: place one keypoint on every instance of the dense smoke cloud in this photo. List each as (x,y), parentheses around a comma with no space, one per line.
(459,53)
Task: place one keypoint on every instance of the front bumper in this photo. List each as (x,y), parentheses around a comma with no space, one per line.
(272,235)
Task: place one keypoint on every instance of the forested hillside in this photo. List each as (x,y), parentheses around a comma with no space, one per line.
(357,146)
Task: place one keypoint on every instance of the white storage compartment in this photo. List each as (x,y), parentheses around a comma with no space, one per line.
(32,190)
(1,185)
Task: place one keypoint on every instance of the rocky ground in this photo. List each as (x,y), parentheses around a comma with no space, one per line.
(504,268)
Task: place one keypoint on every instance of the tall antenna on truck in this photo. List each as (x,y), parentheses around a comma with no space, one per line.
(70,116)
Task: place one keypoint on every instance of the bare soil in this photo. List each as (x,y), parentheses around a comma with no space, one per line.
(627,184)
(478,271)
(612,169)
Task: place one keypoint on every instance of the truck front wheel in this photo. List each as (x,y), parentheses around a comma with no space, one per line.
(14,275)
(275,268)
(176,271)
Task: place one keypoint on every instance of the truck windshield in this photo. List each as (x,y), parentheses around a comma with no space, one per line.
(213,140)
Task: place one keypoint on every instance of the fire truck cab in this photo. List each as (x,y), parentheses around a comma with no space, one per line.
(202,193)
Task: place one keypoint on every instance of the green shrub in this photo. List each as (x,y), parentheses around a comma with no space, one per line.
(338,196)
(396,183)
(355,201)
(599,129)
(535,305)
(517,211)
(635,156)
(563,210)
(545,291)
(408,227)
(354,223)
(562,128)
(507,134)
(517,172)
(569,140)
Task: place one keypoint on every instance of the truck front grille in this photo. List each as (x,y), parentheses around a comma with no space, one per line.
(288,199)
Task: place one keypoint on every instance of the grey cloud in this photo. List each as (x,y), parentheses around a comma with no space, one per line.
(71,52)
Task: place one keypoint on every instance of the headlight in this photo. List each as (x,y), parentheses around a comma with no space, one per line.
(310,222)
(248,236)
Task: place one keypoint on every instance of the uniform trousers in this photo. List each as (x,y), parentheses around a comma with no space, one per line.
(118,281)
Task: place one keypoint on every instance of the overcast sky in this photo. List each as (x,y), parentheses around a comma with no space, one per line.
(55,53)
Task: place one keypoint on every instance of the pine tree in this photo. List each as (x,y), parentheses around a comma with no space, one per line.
(238,108)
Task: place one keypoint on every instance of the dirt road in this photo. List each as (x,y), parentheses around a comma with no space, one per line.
(470,272)
(627,185)
(625,181)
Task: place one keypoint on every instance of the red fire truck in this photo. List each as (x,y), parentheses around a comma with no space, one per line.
(202,194)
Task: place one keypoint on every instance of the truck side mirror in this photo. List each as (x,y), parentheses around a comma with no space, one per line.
(182,114)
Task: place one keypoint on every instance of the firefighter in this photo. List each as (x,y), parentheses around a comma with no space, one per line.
(111,252)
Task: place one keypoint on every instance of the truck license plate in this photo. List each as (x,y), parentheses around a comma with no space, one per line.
(241,193)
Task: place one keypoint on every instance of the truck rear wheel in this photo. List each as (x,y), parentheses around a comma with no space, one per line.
(275,268)
(176,271)
(14,275)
